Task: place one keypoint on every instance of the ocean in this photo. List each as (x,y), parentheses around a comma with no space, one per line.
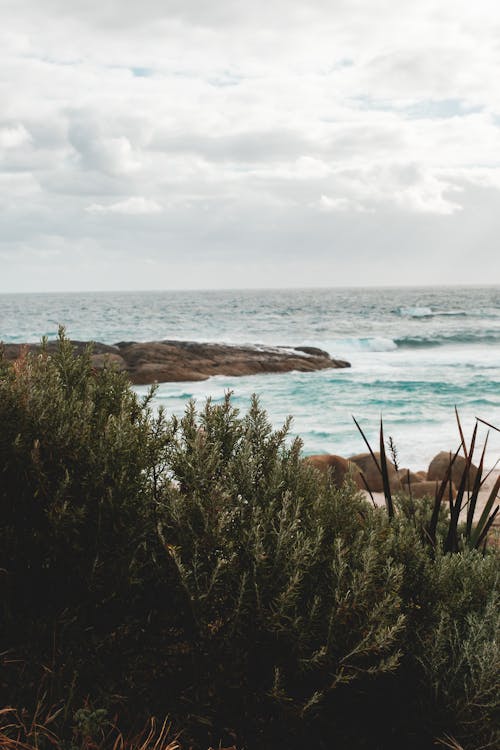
(416,353)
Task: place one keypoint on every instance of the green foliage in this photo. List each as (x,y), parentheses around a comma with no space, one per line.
(286,578)
(199,567)
(460,654)
(74,447)
(90,723)
(78,453)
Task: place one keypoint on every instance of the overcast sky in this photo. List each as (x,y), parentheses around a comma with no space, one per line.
(198,143)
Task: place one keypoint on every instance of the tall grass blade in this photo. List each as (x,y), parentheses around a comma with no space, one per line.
(368,488)
(462,438)
(367,444)
(483,421)
(475,493)
(456,507)
(487,527)
(382,467)
(438,499)
(483,520)
(490,471)
(385,474)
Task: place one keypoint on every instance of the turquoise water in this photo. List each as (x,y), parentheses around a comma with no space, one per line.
(415,354)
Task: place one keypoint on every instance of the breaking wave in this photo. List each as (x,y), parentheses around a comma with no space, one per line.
(428,312)
(453,339)
(366,344)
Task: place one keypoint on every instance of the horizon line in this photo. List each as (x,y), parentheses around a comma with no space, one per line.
(256,289)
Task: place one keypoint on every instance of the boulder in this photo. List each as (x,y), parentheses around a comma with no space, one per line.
(428,489)
(338,468)
(439,465)
(367,465)
(414,476)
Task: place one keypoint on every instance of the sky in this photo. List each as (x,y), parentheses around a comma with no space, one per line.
(180,144)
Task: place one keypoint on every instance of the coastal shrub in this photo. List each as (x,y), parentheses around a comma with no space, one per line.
(459,650)
(451,646)
(78,453)
(198,567)
(291,596)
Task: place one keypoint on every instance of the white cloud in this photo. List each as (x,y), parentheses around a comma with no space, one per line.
(337,203)
(13,136)
(134,206)
(249,130)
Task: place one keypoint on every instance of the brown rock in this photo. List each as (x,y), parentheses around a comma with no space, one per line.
(414,476)
(422,475)
(111,359)
(337,467)
(428,489)
(371,473)
(167,361)
(440,463)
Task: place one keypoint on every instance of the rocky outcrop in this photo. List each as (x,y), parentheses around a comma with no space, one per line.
(440,463)
(365,462)
(174,361)
(337,468)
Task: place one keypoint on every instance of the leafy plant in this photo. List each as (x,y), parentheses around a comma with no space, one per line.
(290,593)
(79,454)
(475,534)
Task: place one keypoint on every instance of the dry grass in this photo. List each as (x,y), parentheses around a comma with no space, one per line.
(20,732)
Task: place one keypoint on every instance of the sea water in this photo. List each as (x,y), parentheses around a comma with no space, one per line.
(416,353)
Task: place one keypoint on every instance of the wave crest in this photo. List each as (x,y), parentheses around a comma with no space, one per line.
(366,344)
(415,342)
(428,312)
(415,312)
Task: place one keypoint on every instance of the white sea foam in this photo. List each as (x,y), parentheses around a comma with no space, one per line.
(362,344)
(415,312)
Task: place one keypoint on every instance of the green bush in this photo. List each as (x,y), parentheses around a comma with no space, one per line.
(290,592)
(199,567)
(78,455)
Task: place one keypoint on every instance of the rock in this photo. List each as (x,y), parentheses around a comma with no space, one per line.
(115,360)
(414,476)
(169,361)
(337,467)
(439,465)
(14,351)
(373,477)
(312,350)
(428,489)
(422,475)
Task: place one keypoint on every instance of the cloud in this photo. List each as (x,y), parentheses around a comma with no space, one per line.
(134,206)
(336,203)
(13,136)
(253,134)
(112,154)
